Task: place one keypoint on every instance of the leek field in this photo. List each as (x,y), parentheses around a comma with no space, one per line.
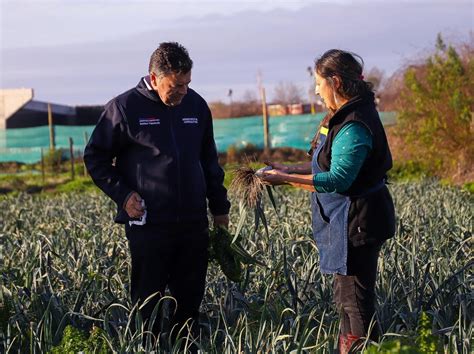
(65,269)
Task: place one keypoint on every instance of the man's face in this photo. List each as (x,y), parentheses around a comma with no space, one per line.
(171,87)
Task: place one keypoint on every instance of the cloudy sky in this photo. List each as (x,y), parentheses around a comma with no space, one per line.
(85,52)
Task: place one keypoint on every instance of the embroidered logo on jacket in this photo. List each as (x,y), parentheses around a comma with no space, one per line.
(149,121)
(190,120)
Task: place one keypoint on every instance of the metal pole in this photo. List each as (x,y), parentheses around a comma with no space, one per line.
(71,154)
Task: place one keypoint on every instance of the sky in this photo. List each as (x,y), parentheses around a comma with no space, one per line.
(86,52)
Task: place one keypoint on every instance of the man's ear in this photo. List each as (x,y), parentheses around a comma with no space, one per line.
(153,79)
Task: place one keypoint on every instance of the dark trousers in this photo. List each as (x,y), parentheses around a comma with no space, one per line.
(354,293)
(169,255)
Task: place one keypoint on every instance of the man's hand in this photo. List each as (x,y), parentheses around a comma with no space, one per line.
(134,207)
(221,220)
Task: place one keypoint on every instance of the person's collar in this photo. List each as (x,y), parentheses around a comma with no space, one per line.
(147,82)
(144,87)
(352,104)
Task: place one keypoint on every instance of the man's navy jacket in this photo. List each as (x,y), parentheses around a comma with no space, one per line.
(166,154)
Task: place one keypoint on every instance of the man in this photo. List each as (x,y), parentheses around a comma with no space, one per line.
(161,137)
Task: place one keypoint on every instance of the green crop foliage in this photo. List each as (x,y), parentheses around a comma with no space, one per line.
(65,263)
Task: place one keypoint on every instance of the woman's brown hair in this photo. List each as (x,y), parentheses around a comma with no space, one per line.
(348,67)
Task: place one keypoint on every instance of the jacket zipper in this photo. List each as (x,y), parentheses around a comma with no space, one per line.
(177,160)
(139,177)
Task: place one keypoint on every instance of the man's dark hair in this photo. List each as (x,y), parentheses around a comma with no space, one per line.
(170,57)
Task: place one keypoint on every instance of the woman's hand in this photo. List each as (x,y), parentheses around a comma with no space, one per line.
(278,166)
(274,177)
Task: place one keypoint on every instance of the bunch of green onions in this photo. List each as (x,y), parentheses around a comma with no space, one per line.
(229,253)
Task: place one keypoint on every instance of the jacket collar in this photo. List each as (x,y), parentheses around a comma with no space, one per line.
(144,87)
(352,105)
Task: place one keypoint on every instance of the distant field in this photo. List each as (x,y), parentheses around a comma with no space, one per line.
(65,263)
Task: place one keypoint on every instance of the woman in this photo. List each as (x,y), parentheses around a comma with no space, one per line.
(352,210)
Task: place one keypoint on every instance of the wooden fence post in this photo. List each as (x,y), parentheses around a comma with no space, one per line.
(52,143)
(71,154)
(266,130)
(86,140)
(42,167)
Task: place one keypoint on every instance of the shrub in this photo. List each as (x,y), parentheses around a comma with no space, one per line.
(408,171)
(75,341)
(53,159)
(424,343)
(469,187)
(435,111)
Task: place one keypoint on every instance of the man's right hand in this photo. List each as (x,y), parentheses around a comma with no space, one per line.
(134,207)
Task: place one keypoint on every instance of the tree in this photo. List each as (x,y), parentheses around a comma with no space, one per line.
(376,77)
(436,111)
(249,105)
(250,97)
(287,93)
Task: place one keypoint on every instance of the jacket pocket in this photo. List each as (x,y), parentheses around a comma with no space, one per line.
(359,222)
(329,218)
(372,218)
(330,231)
(383,215)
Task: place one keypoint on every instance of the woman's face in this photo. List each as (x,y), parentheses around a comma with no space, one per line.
(325,90)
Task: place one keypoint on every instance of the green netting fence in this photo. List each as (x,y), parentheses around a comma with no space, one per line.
(25,144)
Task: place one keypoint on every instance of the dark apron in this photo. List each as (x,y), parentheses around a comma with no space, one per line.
(330,212)
(330,220)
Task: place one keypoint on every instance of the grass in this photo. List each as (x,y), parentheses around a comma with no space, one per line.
(64,263)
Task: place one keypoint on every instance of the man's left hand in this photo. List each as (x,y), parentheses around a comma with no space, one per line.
(221,220)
